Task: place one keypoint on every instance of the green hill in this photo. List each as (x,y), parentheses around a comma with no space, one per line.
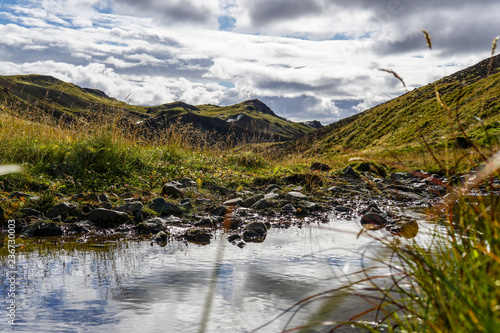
(472,95)
(250,120)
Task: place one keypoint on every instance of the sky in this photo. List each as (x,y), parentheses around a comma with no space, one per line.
(306,59)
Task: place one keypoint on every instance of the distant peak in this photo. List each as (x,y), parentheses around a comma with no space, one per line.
(257,105)
(314,124)
(180,104)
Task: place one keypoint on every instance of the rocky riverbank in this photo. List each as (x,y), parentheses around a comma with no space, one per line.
(193,212)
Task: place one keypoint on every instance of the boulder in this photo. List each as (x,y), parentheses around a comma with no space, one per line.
(62,208)
(160,206)
(261,204)
(373,218)
(134,207)
(289,209)
(42,229)
(259,227)
(108,217)
(271,188)
(171,191)
(161,237)
(219,211)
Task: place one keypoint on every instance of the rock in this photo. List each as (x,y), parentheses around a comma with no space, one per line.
(187,183)
(271,188)
(373,218)
(272,196)
(205,222)
(126,195)
(106,205)
(334,189)
(252,200)
(19,195)
(317,166)
(161,237)
(42,229)
(250,235)
(295,196)
(233,223)
(93,197)
(108,217)
(261,204)
(197,236)
(78,197)
(310,206)
(259,227)
(103,197)
(202,202)
(349,171)
(172,191)
(219,211)
(30,212)
(233,202)
(153,225)
(62,208)
(343,209)
(289,208)
(186,204)
(405,195)
(133,207)
(160,206)
(233,238)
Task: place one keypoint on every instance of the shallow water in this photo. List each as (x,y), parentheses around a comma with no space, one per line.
(137,286)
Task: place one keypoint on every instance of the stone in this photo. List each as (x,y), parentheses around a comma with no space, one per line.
(186,204)
(108,217)
(42,229)
(103,197)
(160,206)
(134,207)
(205,222)
(78,197)
(295,196)
(62,208)
(30,212)
(172,191)
(310,206)
(272,196)
(261,204)
(373,218)
(187,183)
(317,166)
(160,237)
(259,227)
(349,171)
(202,202)
(233,202)
(197,236)
(343,209)
(219,211)
(233,238)
(93,197)
(252,200)
(289,208)
(271,188)
(233,223)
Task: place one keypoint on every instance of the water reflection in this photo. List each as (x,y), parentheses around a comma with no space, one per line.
(130,286)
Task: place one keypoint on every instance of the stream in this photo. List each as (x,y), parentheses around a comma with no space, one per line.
(138,286)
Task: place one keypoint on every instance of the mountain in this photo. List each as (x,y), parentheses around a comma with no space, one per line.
(472,96)
(45,95)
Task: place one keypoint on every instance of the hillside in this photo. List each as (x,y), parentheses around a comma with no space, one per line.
(250,120)
(471,94)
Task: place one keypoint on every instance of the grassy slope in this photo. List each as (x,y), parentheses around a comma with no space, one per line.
(61,98)
(398,124)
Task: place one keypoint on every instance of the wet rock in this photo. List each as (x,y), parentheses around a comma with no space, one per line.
(233,238)
(219,211)
(349,171)
(289,209)
(251,236)
(42,229)
(233,223)
(233,202)
(107,217)
(252,200)
(317,166)
(205,222)
(29,212)
(405,195)
(133,207)
(151,226)
(161,237)
(172,191)
(271,188)
(197,236)
(343,209)
(259,227)
(295,196)
(60,209)
(160,206)
(261,204)
(373,218)
(186,204)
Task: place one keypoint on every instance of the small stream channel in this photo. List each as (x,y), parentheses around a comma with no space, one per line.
(138,286)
